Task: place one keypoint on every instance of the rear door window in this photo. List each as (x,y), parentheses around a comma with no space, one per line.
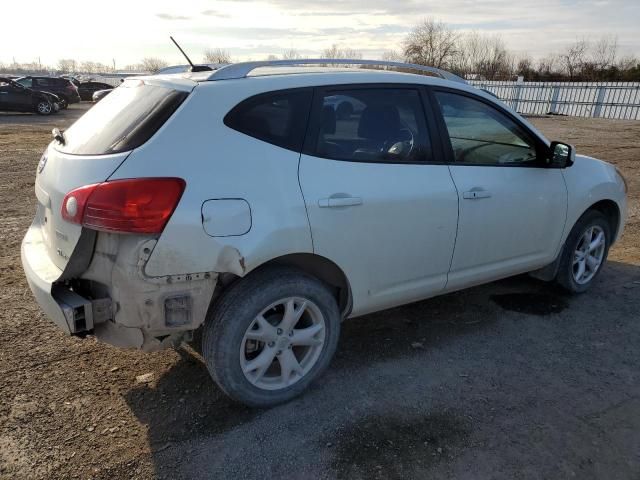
(279,117)
(123,120)
(44,82)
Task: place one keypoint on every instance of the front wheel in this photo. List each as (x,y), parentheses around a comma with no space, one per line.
(44,107)
(270,335)
(585,252)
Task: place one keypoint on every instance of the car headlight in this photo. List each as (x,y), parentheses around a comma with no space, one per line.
(624,180)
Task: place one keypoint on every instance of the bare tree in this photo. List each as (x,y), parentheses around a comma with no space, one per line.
(67,65)
(431,43)
(573,58)
(524,67)
(499,62)
(604,52)
(291,54)
(392,56)
(337,51)
(152,64)
(216,55)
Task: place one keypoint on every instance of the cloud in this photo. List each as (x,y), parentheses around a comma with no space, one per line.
(216,13)
(168,16)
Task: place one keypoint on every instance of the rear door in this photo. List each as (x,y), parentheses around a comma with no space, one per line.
(379,204)
(512,205)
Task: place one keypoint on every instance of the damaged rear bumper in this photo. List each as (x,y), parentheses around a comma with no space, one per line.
(71,312)
(113,298)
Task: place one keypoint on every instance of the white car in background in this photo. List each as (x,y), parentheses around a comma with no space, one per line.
(240,201)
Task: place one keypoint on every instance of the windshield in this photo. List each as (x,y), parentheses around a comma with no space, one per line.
(125,119)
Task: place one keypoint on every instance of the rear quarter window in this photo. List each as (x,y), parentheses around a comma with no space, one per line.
(278,117)
(123,120)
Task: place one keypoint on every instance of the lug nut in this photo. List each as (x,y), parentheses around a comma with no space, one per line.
(279,331)
(271,344)
(291,333)
(279,352)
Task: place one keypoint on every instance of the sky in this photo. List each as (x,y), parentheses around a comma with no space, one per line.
(125,31)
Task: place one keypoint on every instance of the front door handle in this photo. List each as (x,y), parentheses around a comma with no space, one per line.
(476,193)
(334,202)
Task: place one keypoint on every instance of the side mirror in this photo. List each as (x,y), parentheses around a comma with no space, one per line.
(561,155)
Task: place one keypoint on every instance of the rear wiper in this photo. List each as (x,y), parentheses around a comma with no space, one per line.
(58,136)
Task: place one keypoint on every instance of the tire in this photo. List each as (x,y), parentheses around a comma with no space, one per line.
(574,252)
(228,352)
(44,107)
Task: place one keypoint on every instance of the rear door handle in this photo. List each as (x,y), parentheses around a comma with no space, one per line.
(475,194)
(334,202)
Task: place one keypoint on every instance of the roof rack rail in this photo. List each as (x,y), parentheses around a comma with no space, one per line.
(241,70)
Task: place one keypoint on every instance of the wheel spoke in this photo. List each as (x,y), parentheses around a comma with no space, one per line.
(577,256)
(292,315)
(264,333)
(597,242)
(592,262)
(306,336)
(288,365)
(260,364)
(582,266)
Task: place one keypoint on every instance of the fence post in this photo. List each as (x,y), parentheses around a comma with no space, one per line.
(516,96)
(554,99)
(600,100)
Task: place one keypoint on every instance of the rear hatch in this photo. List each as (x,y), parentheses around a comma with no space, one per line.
(94,147)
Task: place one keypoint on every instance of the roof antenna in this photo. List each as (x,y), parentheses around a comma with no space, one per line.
(194,68)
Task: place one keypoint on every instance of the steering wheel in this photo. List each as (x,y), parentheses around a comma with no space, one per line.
(398,146)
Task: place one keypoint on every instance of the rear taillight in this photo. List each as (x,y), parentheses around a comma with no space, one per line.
(141,205)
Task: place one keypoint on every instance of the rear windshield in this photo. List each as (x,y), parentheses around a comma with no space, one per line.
(123,120)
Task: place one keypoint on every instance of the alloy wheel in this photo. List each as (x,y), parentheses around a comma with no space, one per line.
(283,343)
(589,254)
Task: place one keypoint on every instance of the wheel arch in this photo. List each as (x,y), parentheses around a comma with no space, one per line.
(610,209)
(316,265)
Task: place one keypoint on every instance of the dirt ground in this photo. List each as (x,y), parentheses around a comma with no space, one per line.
(508,380)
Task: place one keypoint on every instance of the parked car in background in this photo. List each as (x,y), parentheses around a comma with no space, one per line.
(100,94)
(17,98)
(87,89)
(62,87)
(72,79)
(239,201)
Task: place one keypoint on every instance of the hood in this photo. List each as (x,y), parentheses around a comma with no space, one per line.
(586,160)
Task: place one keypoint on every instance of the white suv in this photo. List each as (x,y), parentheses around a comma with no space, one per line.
(266,203)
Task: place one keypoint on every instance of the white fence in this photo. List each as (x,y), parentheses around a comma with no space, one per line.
(620,100)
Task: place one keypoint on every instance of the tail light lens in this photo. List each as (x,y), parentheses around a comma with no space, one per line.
(141,205)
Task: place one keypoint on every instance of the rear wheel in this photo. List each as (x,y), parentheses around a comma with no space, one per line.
(585,252)
(44,107)
(270,335)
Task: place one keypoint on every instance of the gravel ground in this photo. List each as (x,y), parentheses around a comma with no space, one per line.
(508,380)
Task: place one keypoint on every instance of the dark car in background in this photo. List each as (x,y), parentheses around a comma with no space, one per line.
(100,94)
(87,89)
(18,98)
(61,87)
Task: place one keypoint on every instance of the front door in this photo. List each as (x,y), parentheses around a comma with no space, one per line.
(512,205)
(378,206)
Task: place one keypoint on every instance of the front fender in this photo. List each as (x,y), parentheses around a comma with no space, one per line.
(590,181)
